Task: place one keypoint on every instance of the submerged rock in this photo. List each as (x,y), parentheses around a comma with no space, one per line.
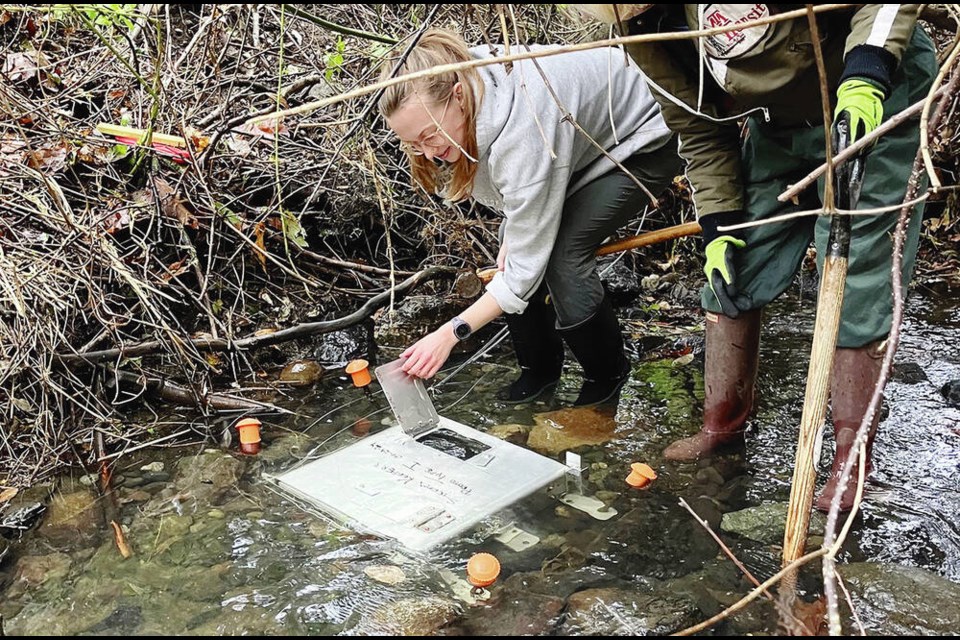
(513,433)
(909,373)
(515,611)
(411,617)
(413,318)
(387,574)
(618,612)
(37,570)
(621,283)
(951,391)
(902,601)
(301,373)
(766,522)
(571,428)
(337,348)
(71,518)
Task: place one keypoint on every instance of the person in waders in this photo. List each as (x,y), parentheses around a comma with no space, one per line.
(765,78)
(496,134)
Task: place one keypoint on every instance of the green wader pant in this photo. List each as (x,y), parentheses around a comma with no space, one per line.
(774,158)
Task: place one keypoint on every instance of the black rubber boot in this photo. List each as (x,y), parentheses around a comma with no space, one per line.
(539,351)
(598,346)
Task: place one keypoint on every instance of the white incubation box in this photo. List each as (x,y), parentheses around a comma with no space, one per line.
(421,482)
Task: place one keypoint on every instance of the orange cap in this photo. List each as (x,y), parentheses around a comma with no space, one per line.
(641,475)
(249,429)
(483,570)
(361,427)
(359,372)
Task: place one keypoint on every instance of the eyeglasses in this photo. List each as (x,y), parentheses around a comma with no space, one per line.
(435,140)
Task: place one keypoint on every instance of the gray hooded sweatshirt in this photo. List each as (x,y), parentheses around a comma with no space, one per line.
(530,160)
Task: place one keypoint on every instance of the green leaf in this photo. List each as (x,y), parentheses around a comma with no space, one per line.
(230,215)
(292,229)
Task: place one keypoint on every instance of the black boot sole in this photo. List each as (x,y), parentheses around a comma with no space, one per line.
(613,392)
(533,396)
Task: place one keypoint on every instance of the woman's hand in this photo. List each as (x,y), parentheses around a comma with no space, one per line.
(502,257)
(425,357)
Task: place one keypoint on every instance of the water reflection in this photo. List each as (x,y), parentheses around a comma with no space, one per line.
(249,561)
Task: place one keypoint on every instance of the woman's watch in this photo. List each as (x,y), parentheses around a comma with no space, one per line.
(461,329)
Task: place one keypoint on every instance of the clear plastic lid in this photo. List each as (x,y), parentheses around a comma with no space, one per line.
(408,398)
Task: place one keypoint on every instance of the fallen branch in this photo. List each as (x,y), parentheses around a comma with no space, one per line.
(753,595)
(938,17)
(188,397)
(345,264)
(111,504)
(298,12)
(303,330)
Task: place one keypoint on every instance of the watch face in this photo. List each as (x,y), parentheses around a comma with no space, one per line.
(461,330)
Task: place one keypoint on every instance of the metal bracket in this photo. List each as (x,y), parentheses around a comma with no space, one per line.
(591,506)
(516,539)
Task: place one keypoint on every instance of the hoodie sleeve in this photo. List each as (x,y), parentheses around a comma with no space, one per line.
(534,188)
(879,34)
(532,220)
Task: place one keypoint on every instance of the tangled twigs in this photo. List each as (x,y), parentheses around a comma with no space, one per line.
(300,331)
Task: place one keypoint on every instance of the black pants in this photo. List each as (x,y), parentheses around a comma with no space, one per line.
(592,214)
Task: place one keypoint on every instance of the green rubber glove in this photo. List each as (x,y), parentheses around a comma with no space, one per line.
(864,102)
(722,276)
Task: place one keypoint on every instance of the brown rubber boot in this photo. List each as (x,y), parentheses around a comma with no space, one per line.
(730,373)
(855,374)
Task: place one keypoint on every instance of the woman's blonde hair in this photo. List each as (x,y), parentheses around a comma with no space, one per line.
(438,47)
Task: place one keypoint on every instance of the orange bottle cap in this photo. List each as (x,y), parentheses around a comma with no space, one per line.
(359,372)
(249,429)
(641,475)
(483,570)
(361,427)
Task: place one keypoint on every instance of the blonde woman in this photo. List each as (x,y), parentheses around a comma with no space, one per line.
(498,135)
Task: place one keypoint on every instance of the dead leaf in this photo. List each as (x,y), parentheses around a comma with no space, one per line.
(93,154)
(18,67)
(266,129)
(117,219)
(171,205)
(261,252)
(239,145)
(49,160)
(176,269)
(8,494)
(198,141)
(121,540)
(11,152)
(812,615)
